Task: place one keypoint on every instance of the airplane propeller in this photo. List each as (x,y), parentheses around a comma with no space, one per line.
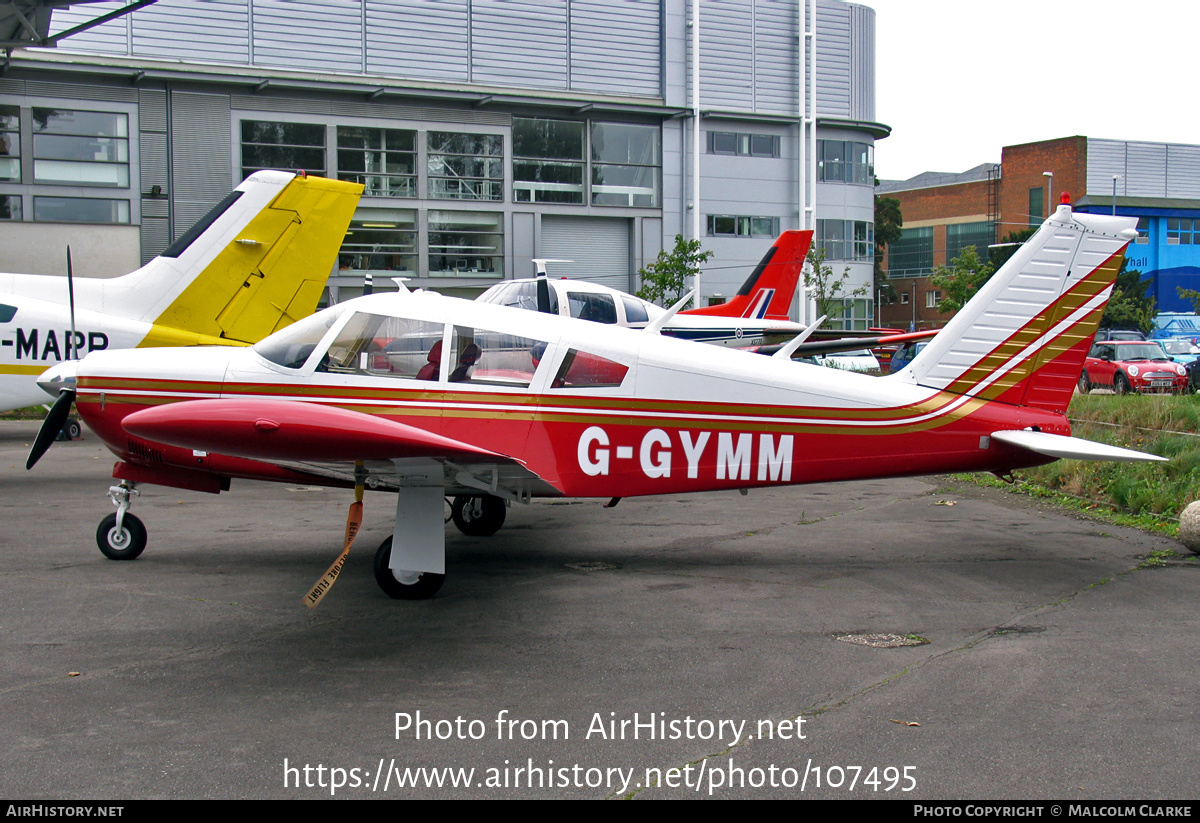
(51,426)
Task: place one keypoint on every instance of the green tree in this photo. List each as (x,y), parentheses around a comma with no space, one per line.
(1129,307)
(957,282)
(665,280)
(889,223)
(828,290)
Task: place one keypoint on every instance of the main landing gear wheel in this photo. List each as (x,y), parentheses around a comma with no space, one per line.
(1121,384)
(478,516)
(402,585)
(1085,385)
(124,544)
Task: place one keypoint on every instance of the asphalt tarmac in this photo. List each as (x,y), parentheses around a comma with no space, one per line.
(584,652)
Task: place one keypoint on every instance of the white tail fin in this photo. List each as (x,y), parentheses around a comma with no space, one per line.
(1023,338)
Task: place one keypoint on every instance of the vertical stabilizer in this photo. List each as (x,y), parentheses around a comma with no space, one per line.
(1023,338)
(768,291)
(258,261)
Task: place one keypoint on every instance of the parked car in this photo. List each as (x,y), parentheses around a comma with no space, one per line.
(1181,349)
(860,360)
(1128,365)
(905,353)
(1119,334)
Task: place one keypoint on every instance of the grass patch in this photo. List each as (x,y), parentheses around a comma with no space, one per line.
(31,413)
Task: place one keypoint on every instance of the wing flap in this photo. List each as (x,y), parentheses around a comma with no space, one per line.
(1073,448)
(288,430)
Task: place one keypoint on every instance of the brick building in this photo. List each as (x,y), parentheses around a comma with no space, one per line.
(1159,183)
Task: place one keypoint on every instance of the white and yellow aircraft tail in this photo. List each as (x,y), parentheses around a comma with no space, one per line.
(255,263)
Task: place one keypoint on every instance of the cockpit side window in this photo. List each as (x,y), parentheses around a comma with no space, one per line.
(599,308)
(493,358)
(386,346)
(7,313)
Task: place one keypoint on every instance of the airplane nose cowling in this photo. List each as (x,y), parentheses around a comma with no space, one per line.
(53,380)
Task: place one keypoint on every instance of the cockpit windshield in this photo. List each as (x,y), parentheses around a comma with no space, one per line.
(292,346)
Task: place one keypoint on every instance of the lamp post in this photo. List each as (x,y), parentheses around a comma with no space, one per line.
(1049,175)
(1116,177)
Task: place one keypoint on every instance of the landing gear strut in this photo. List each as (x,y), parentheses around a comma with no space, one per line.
(121,535)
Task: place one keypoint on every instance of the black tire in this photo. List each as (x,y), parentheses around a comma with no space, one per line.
(73,429)
(125,545)
(421,586)
(1085,385)
(1121,384)
(484,523)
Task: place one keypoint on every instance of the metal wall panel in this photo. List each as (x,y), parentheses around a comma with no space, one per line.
(420,114)
(775,48)
(270,102)
(862,63)
(1146,169)
(152,110)
(1104,159)
(606,240)
(212,31)
(1183,171)
(152,155)
(727,54)
(422,39)
(200,139)
(616,48)
(156,236)
(324,36)
(519,42)
(82,91)
(833,58)
(108,38)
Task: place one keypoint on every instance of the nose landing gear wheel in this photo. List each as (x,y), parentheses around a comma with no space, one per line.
(124,544)
(402,585)
(478,516)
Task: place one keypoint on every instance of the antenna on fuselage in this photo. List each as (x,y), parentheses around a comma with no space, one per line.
(543,286)
(657,326)
(789,348)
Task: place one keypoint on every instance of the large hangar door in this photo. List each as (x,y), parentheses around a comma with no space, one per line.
(598,245)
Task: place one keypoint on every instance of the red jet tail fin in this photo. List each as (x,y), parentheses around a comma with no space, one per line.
(1023,338)
(768,291)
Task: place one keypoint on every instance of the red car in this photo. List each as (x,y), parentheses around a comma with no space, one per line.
(1129,365)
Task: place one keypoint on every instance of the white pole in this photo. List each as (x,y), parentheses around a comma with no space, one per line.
(696,139)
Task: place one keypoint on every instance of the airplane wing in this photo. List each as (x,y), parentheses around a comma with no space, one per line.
(817,347)
(1073,448)
(325,441)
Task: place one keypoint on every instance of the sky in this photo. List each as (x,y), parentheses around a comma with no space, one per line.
(959,79)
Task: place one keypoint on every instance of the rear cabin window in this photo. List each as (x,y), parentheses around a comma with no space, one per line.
(493,358)
(599,308)
(583,370)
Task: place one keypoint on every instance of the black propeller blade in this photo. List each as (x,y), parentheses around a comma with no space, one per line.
(543,294)
(51,426)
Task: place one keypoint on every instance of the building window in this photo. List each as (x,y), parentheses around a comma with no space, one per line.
(845,161)
(383,160)
(1143,230)
(380,240)
(746,145)
(1037,198)
(466,243)
(80,210)
(857,313)
(904,298)
(548,161)
(286,146)
(465,166)
(10,144)
(960,235)
(932,298)
(626,161)
(80,148)
(1183,231)
(846,239)
(729,225)
(912,254)
(10,207)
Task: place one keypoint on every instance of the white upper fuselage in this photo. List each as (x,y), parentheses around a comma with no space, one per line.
(602,304)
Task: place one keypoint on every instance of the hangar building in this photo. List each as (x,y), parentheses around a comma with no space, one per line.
(486,132)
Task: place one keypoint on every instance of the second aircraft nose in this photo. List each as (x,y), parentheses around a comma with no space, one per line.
(56,378)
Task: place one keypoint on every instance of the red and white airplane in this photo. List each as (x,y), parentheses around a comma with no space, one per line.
(429,396)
